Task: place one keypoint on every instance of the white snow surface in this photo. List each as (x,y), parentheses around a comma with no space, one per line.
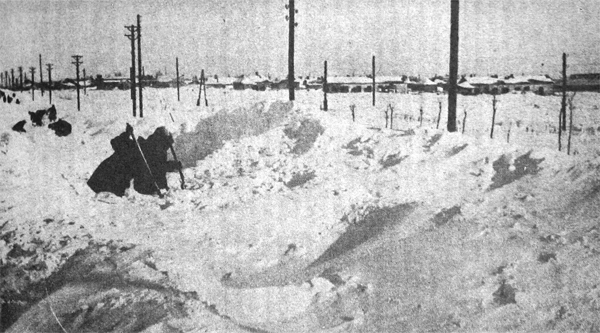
(349,235)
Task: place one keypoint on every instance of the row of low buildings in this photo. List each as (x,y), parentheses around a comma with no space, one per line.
(467,85)
(471,85)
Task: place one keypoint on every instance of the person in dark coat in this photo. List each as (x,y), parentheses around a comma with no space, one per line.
(155,150)
(115,173)
(61,127)
(51,112)
(19,127)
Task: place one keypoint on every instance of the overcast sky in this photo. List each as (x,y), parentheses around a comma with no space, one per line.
(243,36)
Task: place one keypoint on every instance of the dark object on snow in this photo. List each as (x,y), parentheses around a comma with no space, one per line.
(17,101)
(18,127)
(9,99)
(61,127)
(38,116)
(51,112)
(155,151)
(116,172)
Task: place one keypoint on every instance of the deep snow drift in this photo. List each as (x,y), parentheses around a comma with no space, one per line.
(299,220)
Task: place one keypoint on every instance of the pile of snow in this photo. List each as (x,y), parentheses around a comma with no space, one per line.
(295,219)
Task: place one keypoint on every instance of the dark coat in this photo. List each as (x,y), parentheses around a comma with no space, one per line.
(19,127)
(115,173)
(155,150)
(61,127)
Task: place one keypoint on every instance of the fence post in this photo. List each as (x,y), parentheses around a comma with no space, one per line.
(20,78)
(386,118)
(32,71)
(571,107)
(177,75)
(325,86)
(439,115)
(493,116)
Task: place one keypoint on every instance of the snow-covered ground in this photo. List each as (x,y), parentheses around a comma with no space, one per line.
(300,220)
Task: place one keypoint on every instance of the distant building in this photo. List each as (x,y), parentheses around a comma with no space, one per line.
(255,82)
(582,82)
(540,84)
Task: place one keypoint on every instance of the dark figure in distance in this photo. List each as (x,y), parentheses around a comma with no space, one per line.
(115,173)
(37,117)
(61,127)
(18,127)
(51,112)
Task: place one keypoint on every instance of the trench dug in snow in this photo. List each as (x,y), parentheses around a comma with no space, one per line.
(211,133)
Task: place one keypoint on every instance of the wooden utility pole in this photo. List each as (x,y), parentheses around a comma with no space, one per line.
(84,83)
(453,79)
(374,87)
(292,26)
(325,86)
(32,71)
(12,73)
(49,67)
(139,49)
(563,109)
(131,37)
(77,63)
(41,76)
(177,75)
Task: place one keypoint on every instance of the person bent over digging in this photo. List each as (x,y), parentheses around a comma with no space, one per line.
(127,162)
